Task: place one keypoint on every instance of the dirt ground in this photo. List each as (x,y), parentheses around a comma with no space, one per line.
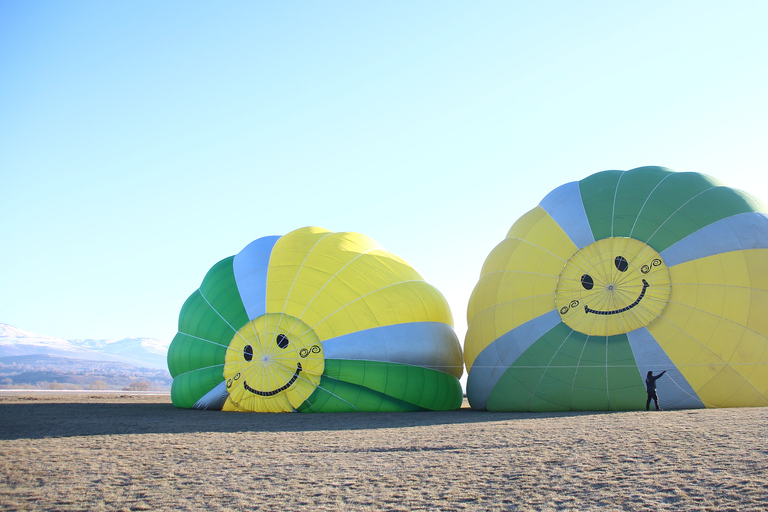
(125,452)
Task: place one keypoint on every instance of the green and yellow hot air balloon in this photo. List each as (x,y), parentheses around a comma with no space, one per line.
(622,273)
(315,321)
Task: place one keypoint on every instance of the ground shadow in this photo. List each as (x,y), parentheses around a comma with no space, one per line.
(40,420)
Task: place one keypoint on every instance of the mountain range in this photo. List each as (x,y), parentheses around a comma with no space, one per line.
(139,352)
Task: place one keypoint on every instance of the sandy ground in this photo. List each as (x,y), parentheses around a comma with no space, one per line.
(122,452)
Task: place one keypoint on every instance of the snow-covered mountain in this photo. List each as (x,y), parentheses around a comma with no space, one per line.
(141,352)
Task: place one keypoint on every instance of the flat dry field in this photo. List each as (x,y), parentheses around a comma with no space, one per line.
(121,452)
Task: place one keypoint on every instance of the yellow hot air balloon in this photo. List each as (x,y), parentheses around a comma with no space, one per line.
(315,321)
(616,275)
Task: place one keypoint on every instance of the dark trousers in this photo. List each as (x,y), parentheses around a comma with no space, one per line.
(652,395)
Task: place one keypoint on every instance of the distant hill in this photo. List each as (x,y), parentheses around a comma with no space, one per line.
(141,352)
(30,359)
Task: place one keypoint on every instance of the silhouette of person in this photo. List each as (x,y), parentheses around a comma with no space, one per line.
(650,387)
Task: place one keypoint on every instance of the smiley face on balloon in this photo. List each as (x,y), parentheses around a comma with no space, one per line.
(272,364)
(612,286)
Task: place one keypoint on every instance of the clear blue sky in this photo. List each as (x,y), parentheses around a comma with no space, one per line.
(141,142)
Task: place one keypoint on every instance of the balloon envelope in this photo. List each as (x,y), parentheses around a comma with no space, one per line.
(315,321)
(622,273)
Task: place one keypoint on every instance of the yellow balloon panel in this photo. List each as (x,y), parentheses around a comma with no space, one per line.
(517,256)
(754,371)
(398,303)
(756,261)
(500,287)
(758,314)
(711,306)
(703,285)
(701,339)
(728,388)
(341,283)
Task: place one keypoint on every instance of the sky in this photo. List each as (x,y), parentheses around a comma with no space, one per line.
(141,142)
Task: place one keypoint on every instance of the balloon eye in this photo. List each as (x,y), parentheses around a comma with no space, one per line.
(282,340)
(587,282)
(248,352)
(621,263)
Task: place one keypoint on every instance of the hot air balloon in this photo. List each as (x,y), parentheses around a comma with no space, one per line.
(315,321)
(618,274)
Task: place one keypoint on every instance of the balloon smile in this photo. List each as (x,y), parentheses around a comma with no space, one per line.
(625,308)
(275,391)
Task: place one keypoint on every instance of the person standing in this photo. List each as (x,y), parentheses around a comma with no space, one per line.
(650,387)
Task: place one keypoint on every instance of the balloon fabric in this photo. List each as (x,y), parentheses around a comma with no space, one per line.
(618,274)
(315,321)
